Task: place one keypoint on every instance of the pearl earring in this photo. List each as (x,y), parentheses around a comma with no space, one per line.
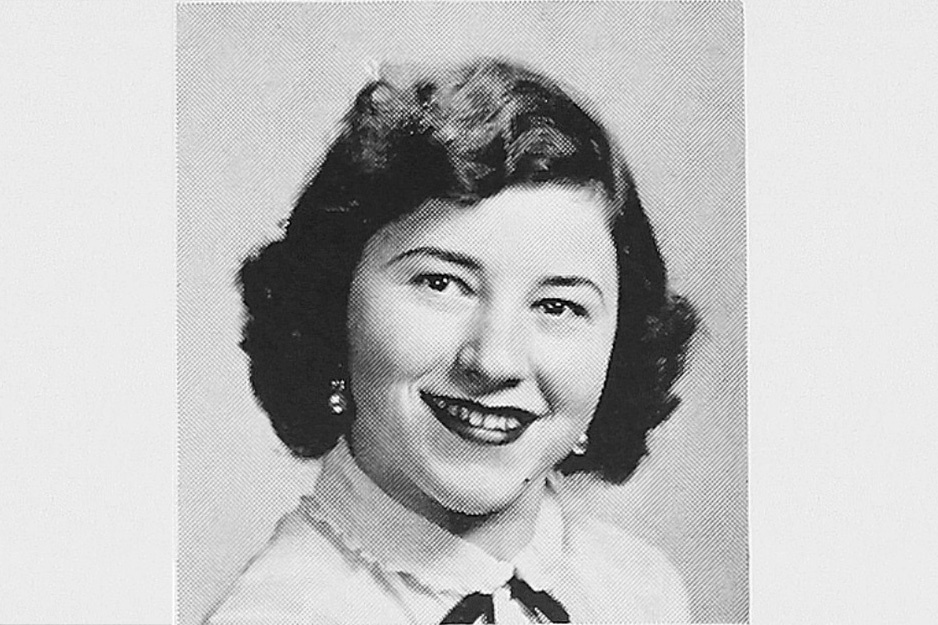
(581,444)
(337,400)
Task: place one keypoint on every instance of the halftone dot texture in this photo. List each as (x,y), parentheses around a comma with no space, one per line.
(261,89)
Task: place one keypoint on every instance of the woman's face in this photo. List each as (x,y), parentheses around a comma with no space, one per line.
(479,342)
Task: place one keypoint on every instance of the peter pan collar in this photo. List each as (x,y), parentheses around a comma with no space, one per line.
(383,532)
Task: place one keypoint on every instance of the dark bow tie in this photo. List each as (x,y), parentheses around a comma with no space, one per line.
(537,602)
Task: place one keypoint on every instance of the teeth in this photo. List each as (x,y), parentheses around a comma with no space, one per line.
(476,419)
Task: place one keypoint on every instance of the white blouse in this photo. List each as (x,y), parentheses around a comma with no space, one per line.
(350,554)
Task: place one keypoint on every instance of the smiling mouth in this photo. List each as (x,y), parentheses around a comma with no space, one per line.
(477,423)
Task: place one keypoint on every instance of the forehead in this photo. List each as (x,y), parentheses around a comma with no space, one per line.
(549,228)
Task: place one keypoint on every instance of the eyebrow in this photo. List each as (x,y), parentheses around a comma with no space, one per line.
(474,265)
(445,255)
(573,281)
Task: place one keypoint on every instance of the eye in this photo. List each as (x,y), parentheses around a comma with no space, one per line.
(561,308)
(442,283)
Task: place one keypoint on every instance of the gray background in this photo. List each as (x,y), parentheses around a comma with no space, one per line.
(841,155)
(260,93)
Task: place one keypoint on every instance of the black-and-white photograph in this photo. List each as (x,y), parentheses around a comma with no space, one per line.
(467,312)
(461,313)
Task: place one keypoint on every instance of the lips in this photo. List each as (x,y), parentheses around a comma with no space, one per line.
(477,423)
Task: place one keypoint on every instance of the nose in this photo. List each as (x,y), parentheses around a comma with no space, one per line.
(495,354)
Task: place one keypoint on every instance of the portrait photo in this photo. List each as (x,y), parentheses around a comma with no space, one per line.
(461,313)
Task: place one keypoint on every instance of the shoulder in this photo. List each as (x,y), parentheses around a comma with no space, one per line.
(303,575)
(632,579)
(625,566)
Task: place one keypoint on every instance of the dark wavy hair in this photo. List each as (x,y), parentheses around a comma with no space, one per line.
(462,135)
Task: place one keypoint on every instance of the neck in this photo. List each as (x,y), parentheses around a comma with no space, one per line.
(500,533)
(503,533)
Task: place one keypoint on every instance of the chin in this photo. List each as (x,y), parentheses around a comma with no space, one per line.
(477,504)
(474,493)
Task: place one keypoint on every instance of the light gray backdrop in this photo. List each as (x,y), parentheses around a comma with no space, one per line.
(260,91)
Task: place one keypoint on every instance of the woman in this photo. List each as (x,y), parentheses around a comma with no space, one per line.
(468,304)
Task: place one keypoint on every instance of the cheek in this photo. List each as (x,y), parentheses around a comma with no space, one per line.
(574,375)
(393,344)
